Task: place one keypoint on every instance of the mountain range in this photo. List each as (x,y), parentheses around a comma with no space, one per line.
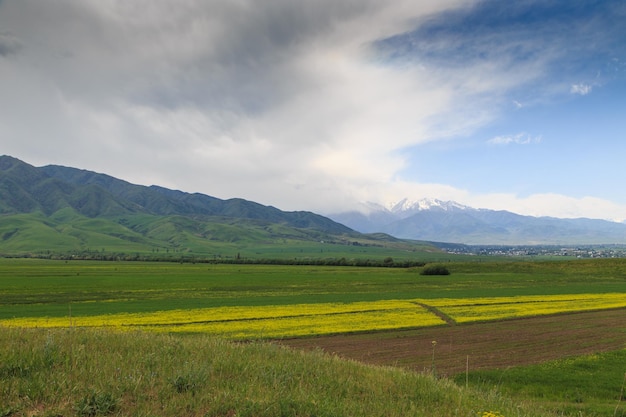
(24,188)
(62,209)
(448,221)
(56,209)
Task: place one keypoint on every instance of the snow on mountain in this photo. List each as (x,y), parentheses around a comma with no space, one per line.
(406,206)
(448,221)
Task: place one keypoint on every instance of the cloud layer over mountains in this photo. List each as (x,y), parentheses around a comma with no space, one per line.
(314,105)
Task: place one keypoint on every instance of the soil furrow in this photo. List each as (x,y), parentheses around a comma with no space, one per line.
(484,345)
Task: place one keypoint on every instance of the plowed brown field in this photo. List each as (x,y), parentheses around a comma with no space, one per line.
(484,345)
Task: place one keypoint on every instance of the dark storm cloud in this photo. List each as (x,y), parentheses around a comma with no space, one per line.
(9,44)
(241,56)
(238,56)
(300,104)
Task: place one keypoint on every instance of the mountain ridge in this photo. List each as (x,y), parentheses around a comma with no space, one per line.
(25,188)
(448,221)
(58,211)
(64,194)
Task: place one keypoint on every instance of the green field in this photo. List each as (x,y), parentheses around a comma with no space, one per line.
(33,288)
(71,291)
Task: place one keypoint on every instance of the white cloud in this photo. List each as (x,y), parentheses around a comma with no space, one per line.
(243,94)
(582,89)
(285,103)
(553,205)
(540,204)
(517,139)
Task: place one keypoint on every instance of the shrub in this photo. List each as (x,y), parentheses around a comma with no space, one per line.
(186,383)
(96,403)
(435,270)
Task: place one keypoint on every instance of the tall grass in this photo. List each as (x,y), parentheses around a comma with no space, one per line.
(89,373)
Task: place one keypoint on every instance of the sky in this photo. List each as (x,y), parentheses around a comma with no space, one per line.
(323,105)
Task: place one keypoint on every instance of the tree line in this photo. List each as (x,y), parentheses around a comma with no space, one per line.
(387,262)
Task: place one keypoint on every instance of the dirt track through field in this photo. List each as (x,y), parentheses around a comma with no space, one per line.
(486,345)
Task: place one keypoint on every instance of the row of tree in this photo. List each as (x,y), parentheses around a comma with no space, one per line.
(181,258)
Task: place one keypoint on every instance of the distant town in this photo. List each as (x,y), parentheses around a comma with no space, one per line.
(581,251)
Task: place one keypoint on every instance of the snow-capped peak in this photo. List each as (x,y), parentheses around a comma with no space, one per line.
(410,206)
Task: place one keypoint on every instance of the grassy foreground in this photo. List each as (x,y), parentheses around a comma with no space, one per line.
(67,372)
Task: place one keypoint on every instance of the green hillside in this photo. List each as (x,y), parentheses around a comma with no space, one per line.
(28,189)
(56,211)
(66,233)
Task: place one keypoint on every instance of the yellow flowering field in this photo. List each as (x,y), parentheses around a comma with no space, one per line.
(277,321)
(316,324)
(243,322)
(464,310)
